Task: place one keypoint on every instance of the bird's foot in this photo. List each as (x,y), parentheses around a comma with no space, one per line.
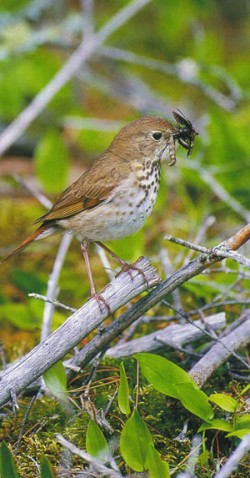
(101,301)
(131,267)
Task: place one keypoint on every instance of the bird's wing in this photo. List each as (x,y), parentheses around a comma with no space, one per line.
(90,190)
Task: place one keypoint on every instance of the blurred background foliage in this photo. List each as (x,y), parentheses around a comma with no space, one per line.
(193,55)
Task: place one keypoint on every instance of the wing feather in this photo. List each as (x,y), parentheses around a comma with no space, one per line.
(91,189)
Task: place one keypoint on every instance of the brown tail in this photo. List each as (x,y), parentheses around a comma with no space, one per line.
(26,242)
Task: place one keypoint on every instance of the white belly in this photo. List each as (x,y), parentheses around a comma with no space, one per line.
(121,216)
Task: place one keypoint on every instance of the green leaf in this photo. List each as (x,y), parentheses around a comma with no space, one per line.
(217,424)
(46,468)
(55,378)
(123,392)
(8,467)
(171,380)
(52,162)
(96,443)
(162,373)
(135,442)
(239,433)
(21,315)
(223,401)
(194,400)
(245,389)
(242,422)
(28,282)
(204,457)
(56,381)
(156,466)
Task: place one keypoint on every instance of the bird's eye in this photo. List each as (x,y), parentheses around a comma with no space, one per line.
(157,135)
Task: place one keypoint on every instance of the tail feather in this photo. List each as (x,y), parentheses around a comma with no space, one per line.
(39,232)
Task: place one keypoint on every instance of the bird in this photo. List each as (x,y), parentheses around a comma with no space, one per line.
(114,197)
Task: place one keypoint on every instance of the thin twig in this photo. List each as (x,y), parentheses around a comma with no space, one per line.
(105,262)
(200,236)
(88,19)
(25,417)
(188,244)
(168,270)
(193,457)
(68,70)
(96,464)
(187,71)
(127,88)
(53,289)
(219,251)
(210,333)
(41,198)
(56,303)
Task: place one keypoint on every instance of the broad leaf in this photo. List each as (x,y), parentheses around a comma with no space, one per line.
(171,380)
(123,392)
(194,400)
(56,381)
(156,466)
(223,401)
(239,433)
(96,443)
(46,468)
(135,442)
(8,467)
(245,389)
(243,421)
(162,373)
(217,424)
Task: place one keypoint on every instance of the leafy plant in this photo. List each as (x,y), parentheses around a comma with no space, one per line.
(46,468)
(7,465)
(123,392)
(171,380)
(96,443)
(137,448)
(56,381)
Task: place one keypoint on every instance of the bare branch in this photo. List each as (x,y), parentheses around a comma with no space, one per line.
(53,290)
(34,192)
(88,20)
(219,251)
(187,71)
(175,335)
(122,289)
(220,352)
(69,69)
(73,330)
(56,303)
(96,464)
(193,457)
(194,268)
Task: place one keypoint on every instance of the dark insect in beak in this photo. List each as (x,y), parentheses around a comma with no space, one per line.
(186,132)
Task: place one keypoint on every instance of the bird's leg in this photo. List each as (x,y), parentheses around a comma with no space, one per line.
(124,265)
(94,294)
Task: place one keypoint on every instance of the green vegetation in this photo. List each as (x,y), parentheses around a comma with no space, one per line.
(192,55)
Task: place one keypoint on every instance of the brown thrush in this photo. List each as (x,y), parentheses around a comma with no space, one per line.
(115,196)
